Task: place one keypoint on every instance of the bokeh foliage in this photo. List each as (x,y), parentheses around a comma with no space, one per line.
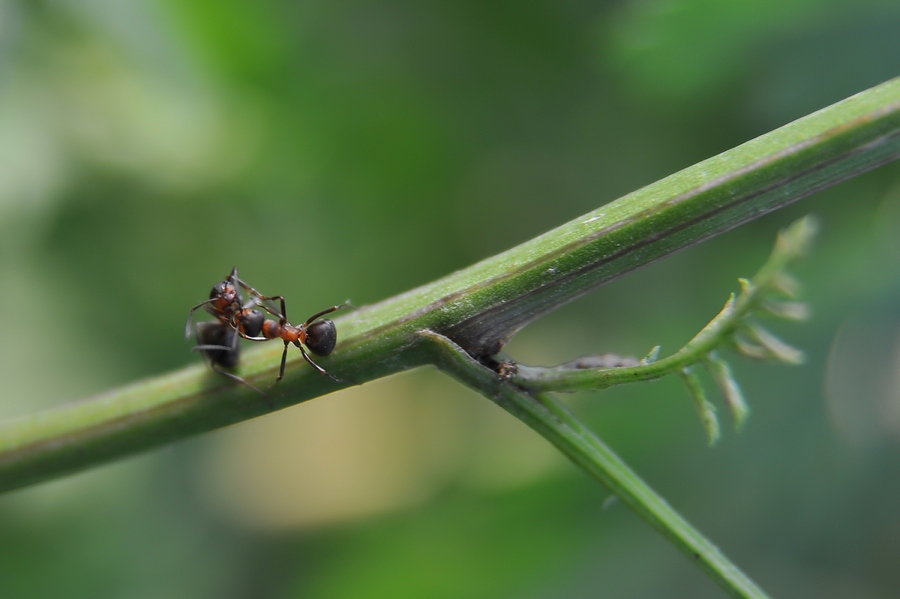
(355,150)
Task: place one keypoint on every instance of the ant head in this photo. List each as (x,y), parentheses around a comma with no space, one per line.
(224,291)
(221,289)
(252,323)
(321,337)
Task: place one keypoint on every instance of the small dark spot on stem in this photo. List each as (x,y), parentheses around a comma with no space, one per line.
(507,369)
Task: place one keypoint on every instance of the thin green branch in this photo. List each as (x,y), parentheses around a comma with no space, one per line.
(480,307)
(559,426)
(792,244)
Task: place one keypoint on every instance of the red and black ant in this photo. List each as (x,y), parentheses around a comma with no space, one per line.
(243,320)
(320,336)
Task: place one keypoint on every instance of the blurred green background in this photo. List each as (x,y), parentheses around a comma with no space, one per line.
(356,150)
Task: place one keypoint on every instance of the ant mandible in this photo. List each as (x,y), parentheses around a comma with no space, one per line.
(227,305)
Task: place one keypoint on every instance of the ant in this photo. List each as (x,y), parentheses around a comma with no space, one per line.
(320,336)
(241,319)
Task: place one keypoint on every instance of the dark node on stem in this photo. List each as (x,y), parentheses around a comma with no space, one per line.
(504,367)
(507,369)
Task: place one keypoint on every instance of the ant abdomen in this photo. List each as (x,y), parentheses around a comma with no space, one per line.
(227,352)
(321,337)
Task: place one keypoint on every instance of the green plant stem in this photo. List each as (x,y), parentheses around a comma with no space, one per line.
(481,307)
(559,426)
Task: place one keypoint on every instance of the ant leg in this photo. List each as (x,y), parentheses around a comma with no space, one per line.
(323,313)
(190,320)
(233,277)
(316,366)
(235,339)
(283,362)
(232,347)
(283,311)
(211,348)
(282,316)
(263,298)
(249,338)
(235,377)
(257,300)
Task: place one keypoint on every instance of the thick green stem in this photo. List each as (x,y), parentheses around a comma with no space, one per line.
(559,426)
